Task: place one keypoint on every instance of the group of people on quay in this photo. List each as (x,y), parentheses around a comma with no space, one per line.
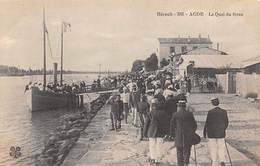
(65,88)
(157,104)
(107,82)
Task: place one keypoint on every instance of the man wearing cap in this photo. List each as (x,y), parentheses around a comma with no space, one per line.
(215,129)
(182,129)
(155,129)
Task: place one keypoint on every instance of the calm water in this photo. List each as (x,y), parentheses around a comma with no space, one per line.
(21,127)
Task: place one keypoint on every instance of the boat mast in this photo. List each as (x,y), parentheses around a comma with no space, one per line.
(61,51)
(44,50)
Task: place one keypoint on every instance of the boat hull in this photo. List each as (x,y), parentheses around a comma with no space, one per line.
(46,100)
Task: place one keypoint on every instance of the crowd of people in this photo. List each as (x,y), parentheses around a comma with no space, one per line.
(65,88)
(157,104)
(107,82)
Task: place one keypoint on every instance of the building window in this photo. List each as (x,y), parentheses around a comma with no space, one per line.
(183,49)
(194,47)
(172,50)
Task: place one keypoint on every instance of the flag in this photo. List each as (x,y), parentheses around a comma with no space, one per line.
(66,26)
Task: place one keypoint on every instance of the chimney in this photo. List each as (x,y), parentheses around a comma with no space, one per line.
(217,46)
(55,66)
(200,36)
(208,36)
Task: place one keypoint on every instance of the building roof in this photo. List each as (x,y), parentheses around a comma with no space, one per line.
(201,50)
(188,40)
(210,61)
(251,61)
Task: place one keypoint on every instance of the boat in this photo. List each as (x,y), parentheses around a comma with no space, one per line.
(43,99)
(48,100)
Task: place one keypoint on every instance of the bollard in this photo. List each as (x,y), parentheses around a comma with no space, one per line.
(81,101)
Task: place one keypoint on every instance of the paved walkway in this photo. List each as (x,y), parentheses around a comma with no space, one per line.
(100,147)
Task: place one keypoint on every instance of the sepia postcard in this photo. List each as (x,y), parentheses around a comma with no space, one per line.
(129,82)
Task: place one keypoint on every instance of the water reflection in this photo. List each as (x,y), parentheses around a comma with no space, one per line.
(21,127)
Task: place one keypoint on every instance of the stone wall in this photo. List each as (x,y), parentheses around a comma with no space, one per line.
(248,83)
(67,133)
(222,82)
(245,83)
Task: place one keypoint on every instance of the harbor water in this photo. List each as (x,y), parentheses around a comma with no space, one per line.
(21,127)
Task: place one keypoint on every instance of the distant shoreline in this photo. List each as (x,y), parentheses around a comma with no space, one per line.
(21,75)
(10,71)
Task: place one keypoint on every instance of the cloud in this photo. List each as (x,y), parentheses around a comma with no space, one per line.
(115,33)
(55,23)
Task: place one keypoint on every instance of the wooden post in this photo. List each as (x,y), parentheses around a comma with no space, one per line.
(55,66)
(81,101)
(61,56)
(44,50)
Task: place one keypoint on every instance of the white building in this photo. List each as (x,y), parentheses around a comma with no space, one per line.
(179,45)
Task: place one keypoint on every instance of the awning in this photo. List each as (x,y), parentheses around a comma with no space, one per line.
(210,61)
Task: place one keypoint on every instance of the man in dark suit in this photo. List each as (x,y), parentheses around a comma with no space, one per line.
(134,98)
(170,107)
(155,129)
(183,127)
(215,128)
(143,109)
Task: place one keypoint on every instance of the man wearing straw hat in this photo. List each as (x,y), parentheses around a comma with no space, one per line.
(182,129)
(215,129)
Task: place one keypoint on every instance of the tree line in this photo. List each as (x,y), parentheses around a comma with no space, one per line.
(149,64)
(15,71)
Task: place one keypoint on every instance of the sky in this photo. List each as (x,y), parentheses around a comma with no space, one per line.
(114,33)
